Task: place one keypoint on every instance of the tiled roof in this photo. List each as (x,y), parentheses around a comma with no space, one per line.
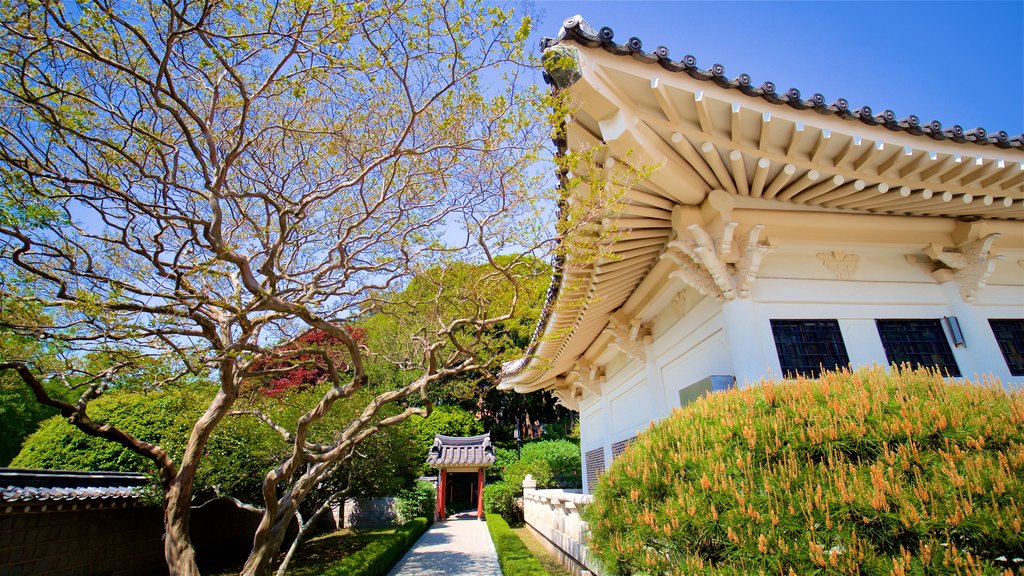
(31,486)
(456,451)
(578,30)
(771,152)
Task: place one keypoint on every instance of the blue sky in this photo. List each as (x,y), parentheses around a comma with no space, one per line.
(955,62)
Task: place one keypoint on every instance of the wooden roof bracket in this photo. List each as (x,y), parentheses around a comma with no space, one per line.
(708,256)
(969,263)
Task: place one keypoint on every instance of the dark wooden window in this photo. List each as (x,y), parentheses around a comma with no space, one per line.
(806,346)
(917,342)
(595,465)
(1010,336)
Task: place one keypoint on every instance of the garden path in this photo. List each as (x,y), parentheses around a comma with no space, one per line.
(460,545)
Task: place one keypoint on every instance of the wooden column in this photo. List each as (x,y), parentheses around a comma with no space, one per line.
(442,489)
(480,494)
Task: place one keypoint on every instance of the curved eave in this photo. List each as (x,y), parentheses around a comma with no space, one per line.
(577,30)
(711,135)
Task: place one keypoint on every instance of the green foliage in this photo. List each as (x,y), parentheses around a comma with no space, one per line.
(20,414)
(447,420)
(505,499)
(159,418)
(239,452)
(539,469)
(460,289)
(377,557)
(503,458)
(552,463)
(855,473)
(562,458)
(513,556)
(415,501)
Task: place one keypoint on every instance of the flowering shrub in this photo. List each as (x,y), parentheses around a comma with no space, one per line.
(853,473)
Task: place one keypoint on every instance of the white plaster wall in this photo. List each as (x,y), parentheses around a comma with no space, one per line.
(693,348)
(794,284)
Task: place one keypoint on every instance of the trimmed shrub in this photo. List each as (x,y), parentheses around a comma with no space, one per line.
(505,499)
(513,557)
(416,501)
(855,473)
(377,557)
(552,463)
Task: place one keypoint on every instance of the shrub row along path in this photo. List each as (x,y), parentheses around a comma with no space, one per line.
(460,545)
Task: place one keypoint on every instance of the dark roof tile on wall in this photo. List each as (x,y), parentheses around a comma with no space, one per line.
(32,486)
(456,451)
(578,30)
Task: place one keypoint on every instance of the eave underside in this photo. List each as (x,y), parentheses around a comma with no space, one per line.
(700,138)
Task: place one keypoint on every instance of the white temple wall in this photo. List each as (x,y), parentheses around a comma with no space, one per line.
(696,340)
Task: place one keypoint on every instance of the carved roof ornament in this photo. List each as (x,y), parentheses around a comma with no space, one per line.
(562,64)
(842,265)
(570,398)
(589,376)
(969,264)
(629,335)
(711,259)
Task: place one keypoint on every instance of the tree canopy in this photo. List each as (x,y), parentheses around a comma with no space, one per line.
(195,186)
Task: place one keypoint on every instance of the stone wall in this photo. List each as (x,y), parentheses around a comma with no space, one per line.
(360,513)
(70,539)
(555,516)
(115,538)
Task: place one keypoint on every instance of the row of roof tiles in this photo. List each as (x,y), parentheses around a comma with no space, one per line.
(577,29)
(461,451)
(26,486)
(33,494)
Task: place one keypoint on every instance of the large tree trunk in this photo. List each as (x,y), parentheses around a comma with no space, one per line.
(178,552)
(267,542)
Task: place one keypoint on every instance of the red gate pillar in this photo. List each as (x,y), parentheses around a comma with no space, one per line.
(480,494)
(442,489)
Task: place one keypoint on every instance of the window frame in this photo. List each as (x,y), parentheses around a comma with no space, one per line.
(1010,347)
(797,328)
(942,347)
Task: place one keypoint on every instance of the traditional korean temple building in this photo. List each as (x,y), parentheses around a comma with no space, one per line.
(776,233)
(461,462)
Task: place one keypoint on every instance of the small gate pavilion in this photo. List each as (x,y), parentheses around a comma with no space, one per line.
(456,458)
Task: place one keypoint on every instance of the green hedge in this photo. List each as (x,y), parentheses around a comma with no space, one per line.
(504,499)
(514,558)
(377,557)
(872,472)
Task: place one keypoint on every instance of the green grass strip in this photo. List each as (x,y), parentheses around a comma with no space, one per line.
(514,558)
(377,557)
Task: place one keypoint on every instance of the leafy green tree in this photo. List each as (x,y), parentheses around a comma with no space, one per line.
(225,177)
(20,414)
(456,289)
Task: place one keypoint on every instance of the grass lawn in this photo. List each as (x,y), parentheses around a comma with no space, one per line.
(537,548)
(321,551)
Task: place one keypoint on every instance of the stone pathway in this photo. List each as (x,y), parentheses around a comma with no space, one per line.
(460,546)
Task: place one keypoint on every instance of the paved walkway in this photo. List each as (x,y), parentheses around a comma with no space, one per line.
(460,546)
